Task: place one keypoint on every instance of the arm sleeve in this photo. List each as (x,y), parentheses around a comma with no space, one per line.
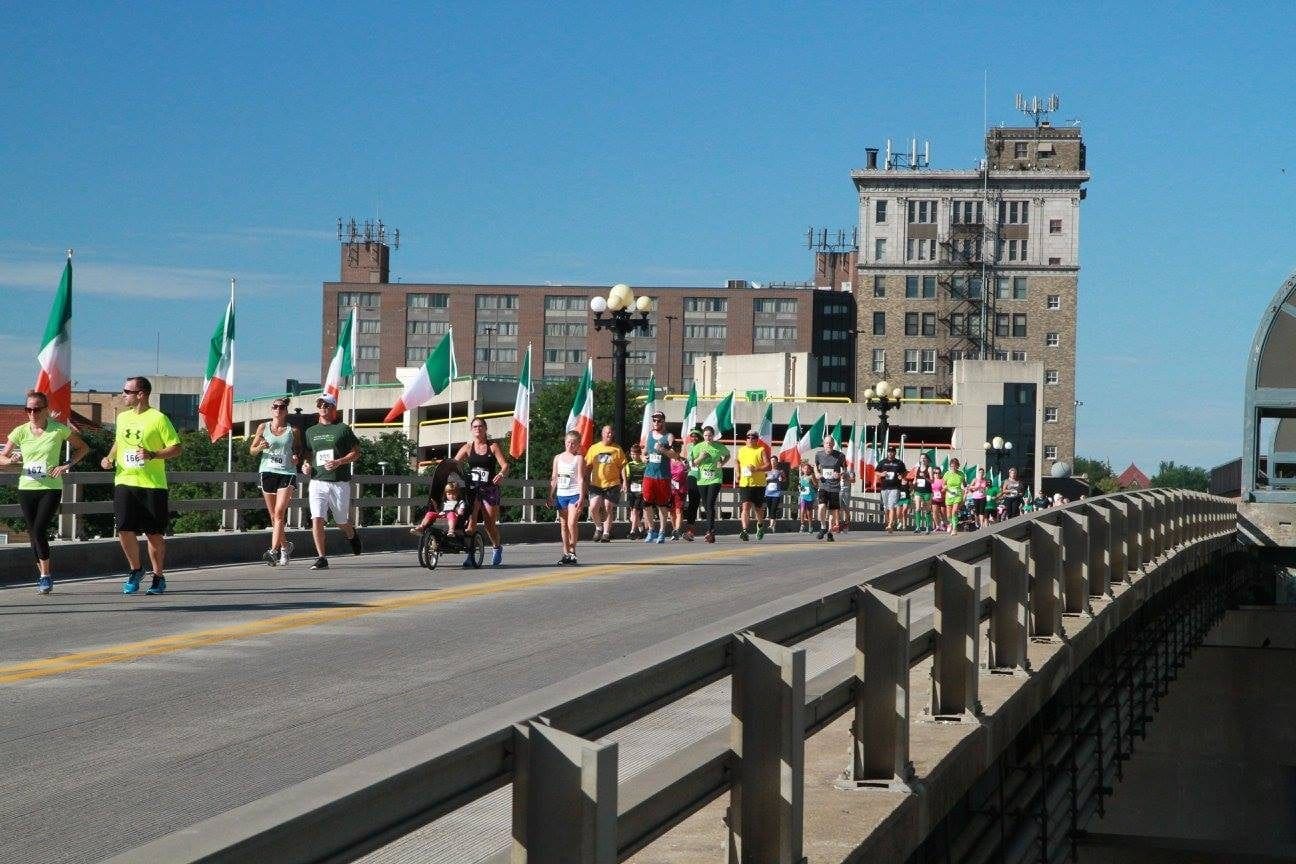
(167,432)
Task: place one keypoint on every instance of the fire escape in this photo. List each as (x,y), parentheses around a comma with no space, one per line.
(966,286)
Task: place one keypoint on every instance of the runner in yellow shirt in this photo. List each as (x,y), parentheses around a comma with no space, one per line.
(606,462)
(753,461)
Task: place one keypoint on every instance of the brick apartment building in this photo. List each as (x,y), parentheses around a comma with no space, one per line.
(978,264)
(399,323)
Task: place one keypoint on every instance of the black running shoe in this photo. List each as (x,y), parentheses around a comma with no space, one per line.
(355,544)
(321,563)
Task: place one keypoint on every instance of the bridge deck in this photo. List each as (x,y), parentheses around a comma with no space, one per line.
(129,717)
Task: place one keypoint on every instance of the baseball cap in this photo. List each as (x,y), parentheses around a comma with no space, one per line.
(661,414)
(327,399)
(752,433)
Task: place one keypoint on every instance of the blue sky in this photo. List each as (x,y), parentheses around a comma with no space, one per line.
(675,143)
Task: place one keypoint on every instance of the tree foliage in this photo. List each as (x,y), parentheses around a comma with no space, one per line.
(1172,476)
(549,409)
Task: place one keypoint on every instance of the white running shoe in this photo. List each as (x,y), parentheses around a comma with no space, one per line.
(285,553)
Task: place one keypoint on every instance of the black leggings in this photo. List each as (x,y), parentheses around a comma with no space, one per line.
(691,502)
(710,498)
(38,509)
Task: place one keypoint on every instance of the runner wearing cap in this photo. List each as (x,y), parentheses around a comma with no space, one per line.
(279,445)
(660,450)
(693,496)
(891,471)
(331,449)
(753,462)
(708,458)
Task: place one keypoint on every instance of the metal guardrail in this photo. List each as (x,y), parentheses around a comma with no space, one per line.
(565,791)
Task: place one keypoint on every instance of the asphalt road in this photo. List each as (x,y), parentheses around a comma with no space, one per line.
(123,718)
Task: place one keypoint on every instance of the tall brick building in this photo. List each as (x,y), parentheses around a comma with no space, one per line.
(981,264)
(399,323)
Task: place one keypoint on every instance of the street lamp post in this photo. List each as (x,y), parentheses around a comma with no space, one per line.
(882,398)
(620,306)
(382,491)
(670,357)
(997,448)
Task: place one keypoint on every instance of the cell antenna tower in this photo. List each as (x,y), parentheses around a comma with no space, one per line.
(368,232)
(821,240)
(1037,109)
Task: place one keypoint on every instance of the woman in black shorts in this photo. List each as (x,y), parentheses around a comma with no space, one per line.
(487,467)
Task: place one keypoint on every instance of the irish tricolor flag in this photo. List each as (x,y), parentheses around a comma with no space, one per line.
(721,416)
(650,405)
(690,411)
(55,357)
(433,376)
(343,362)
(217,403)
(766,427)
(813,437)
(581,416)
(788,452)
(522,410)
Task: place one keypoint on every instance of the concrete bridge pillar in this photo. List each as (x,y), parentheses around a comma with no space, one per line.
(1100,541)
(1075,561)
(1009,623)
(958,639)
(1118,517)
(880,732)
(1046,579)
(564,798)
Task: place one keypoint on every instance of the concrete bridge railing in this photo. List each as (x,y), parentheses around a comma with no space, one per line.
(1021,577)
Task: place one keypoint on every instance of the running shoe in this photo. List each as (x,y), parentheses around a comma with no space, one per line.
(285,553)
(44,584)
(131,585)
(773,528)
(661,537)
(607,537)
(158,586)
(829,537)
(760,532)
(821,534)
(571,559)
(688,535)
(742,535)
(321,563)
(598,534)
(675,537)
(710,537)
(468,560)
(650,537)
(497,556)
(270,557)
(356,548)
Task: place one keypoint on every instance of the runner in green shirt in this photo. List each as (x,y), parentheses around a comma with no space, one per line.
(634,498)
(954,482)
(709,458)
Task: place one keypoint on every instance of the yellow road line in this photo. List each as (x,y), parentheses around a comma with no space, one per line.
(49,666)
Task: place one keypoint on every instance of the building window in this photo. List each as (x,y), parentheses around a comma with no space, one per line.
(910,393)
(1001,287)
(1019,287)
(366,377)
(956,324)
(497,301)
(879,361)
(929,287)
(966,213)
(922,212)
(642,358)
(1019,149)
(1019,324)
(1055,301)
(504,328)
(370,325)
(911,287)
(1016,250)
(1019,356)
(879,323)
(769,306)
(427,301)
(879,211)
(929,361)
(565,304)
(911,360)
(706,304)
(1050,415)
(495,355)
(1002,324)
(911,323)
(416,356)
(1001,355)
(879,286)
(771,334)
(1014,212)
(1050,376)
(955,355)
(564,355)
(1050,451)
(929,324)
(367,352)
(363,299)
(920,250)
(1051,339)
(974,326)
(1055,262)
(427,328)
(574,329)
(879,249)
(706,331)
(834,335)
(1055,226)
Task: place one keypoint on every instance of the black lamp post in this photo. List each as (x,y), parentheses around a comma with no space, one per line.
(998,448)
(616,312)
(882,399)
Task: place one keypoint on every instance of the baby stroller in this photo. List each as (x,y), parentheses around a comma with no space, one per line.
(967,517)
(435,539)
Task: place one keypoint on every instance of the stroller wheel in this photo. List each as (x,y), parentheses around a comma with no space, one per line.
(477,549)
(429,551)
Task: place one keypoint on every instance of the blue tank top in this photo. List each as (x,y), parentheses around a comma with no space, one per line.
(658,463)
(277,458)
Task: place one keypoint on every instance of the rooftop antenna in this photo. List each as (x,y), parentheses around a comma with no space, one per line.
(1037,109)
(369,232)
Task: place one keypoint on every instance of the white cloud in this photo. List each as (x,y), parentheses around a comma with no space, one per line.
(133,280)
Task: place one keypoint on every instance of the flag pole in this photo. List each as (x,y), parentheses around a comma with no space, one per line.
(67,445)
(355,327)
(450,396)
(526,469)
(229,449)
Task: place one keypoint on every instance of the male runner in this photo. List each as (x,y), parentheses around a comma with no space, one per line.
(144,440)
(660,450)
(753,462)
(891,471)
(331,449)
(830,466)
(607,483)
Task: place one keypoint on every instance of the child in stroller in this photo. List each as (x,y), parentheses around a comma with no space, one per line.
(449,497)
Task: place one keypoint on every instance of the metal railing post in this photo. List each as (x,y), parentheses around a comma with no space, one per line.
(356,519)
(1046,581)
(880,731)
(1075,561)
(1009,562)
(958,639)
(230,515)
(564,798)
(767,732)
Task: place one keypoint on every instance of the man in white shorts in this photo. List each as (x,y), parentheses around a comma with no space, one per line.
(331,448)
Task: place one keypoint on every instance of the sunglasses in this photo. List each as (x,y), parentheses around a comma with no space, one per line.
(324,406)
(126,392)
(278,406)
(30,410)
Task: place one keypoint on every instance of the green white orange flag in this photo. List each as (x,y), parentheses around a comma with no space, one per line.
(837,432)
(788,452)
(217,403)
(521,434)
(433,376)
(650,405)
(766,428)
(343,362)
(813,434)
(721,416)
(55,357)
(581,415)
(690,411)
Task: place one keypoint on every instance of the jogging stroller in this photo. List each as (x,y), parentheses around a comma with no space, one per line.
(436,540)
(967,517)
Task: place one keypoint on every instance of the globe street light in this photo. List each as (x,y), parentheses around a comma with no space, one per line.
(882,398)
(997,448)
(616,312)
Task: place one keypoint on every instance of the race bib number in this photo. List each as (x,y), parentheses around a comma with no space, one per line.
(604,458)
(746,471)
(449,506)
(134,458)
(323,457)
(829,473)
(34,470)
(654,458)
(772,488)
(276,459)
(636,487)
(675,484)
(890,475)
(708,473)
(480,475)
(920,483)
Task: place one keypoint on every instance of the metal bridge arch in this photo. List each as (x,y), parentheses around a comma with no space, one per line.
(1269,490)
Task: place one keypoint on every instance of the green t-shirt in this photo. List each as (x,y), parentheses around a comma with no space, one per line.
(40,453)
(326,442)
(712,458)
(954,481)
(138,431)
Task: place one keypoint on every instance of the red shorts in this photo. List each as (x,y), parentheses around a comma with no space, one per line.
(657,490)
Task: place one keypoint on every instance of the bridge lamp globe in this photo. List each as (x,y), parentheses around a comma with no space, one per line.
(998,442)
(896,394)
(643,304)
(868,394)
(882,389)
(598,305)
(620,297)
(986,446)
(1008,446)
